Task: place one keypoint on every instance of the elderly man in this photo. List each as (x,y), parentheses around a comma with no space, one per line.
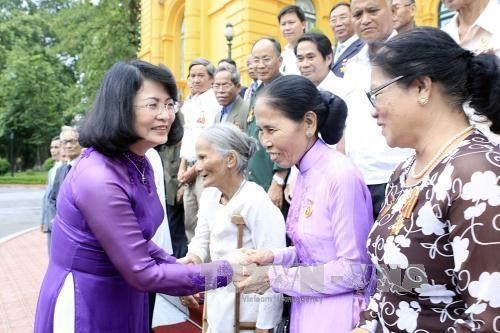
(72,149)
(199,113)
(226,87)
(266,55)
(348,43)
(403,12)
(252,73)
(364,142)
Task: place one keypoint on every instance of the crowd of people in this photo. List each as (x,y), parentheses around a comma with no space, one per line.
(358,182)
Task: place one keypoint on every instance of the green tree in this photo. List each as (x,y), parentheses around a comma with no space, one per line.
(53,54)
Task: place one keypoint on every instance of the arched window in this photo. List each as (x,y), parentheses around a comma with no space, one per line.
(308,8)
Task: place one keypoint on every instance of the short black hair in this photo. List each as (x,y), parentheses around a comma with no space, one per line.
(292,9)
(322,43)
(331,110)
(347,4)
(109,126)
(463,76)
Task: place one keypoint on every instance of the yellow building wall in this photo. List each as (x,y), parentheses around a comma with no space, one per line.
(204,22)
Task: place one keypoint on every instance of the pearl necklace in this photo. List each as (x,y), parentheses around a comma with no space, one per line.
(143,176)
(433,162)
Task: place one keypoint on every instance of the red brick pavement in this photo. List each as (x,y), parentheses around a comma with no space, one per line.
(23,260)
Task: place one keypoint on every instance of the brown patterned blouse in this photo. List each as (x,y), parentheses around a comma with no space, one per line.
(441,271)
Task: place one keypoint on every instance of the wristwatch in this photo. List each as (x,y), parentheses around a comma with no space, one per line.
(278,180)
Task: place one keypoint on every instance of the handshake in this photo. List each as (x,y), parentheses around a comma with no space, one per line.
(250,268)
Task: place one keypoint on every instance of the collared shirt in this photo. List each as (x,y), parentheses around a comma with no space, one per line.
(364,142)
(199,113)
(252,89)
(341,47)
(482,36)
(289,64)
(226,110)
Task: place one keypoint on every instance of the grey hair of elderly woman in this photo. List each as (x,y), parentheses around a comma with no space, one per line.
(225,138)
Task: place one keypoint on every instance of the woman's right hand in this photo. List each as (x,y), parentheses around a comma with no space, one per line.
(259,257)
(189,301)
(190,259)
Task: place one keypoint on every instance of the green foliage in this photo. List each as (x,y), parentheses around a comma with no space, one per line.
(24,178)
(4,166)
(53,54)
(48,164)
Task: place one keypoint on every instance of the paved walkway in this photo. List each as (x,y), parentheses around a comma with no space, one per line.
(23,260)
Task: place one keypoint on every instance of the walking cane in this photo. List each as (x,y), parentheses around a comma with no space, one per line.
(240,325)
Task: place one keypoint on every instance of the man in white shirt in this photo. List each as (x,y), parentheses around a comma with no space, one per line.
(292,21)
(348,43)
(199,112)
(364,142)
(475,28)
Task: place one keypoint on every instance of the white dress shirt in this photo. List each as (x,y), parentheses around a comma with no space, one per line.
(364,142)
(199,113)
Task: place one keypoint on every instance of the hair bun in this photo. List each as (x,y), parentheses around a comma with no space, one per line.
(332,129)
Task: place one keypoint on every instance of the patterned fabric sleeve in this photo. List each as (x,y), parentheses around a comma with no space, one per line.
(474,217)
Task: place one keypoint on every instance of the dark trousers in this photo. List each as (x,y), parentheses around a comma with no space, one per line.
(377,192)
(175,214)
(152,299)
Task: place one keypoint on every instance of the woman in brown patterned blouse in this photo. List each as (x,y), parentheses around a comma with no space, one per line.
(436,243)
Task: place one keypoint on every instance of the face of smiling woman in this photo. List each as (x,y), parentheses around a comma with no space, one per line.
(152,119)
(284,139)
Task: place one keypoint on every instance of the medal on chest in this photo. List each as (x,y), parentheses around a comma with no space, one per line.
(309,209)
(405,211)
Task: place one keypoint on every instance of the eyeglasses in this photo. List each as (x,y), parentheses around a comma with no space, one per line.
(158,107)
(372,94)
(70,141)
(265,60)
(222,87)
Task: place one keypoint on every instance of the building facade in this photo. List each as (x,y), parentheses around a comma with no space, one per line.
(174,32)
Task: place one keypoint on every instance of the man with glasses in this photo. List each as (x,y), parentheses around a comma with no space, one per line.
(226,87)
(199,111)
(403,12)
(363,140)
(72,149)
(348,43)
(261,170)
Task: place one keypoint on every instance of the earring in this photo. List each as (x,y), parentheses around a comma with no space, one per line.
(423,100)
(309,134)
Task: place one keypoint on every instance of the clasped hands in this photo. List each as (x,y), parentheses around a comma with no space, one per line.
(250,269)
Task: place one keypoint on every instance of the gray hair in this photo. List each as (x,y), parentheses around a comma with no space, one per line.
(204,62)
(65,129)
(225,138)
(235,76)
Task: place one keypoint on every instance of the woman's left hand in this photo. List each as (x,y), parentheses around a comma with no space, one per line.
(275,192)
